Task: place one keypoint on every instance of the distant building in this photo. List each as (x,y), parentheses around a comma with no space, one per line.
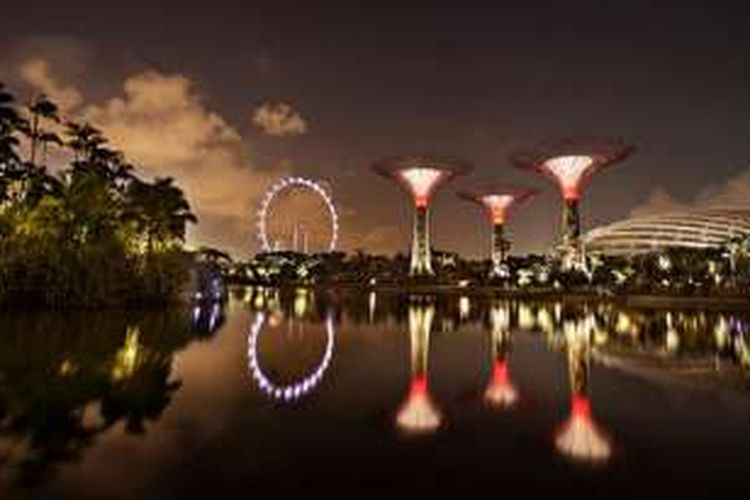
(696,229)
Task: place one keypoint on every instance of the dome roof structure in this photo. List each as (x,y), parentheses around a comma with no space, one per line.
(699,229)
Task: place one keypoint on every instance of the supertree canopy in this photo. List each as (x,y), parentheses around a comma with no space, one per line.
(420,176)
(497,202)
(570,163)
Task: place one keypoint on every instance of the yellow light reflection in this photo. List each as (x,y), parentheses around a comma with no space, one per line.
(127,357)
(464,307)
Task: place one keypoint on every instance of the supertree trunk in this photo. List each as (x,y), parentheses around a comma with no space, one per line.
(500,247)
(421,261)
(571,223)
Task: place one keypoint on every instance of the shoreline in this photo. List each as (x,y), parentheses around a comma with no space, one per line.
(640,301)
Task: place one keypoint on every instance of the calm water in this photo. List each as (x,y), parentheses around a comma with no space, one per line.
(362,392)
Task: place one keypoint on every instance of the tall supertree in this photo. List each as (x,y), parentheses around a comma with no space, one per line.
(580,438)
(420,176)
(570,163)
(500,392)
(497,202)
(418,414)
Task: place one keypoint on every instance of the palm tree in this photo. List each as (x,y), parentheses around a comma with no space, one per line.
(83,140)
(159,210)
(11,123)
(90,153)
(42,109)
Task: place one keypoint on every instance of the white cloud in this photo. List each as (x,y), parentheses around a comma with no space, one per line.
(36,73)
(659,201)
(733,193)
(279,119)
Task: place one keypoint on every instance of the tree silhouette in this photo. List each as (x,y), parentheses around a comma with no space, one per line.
(78,235)
(41,109)
(159,210)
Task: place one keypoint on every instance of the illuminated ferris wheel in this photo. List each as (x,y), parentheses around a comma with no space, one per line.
(285,201)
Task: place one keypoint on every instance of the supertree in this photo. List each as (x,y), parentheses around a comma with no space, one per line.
(500,392)
(580,438)
(418,414)
(420,176)
(570,163)
(497,202)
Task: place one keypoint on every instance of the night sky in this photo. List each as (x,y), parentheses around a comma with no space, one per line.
(176,86)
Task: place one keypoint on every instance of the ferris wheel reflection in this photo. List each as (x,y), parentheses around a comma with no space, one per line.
(300,388)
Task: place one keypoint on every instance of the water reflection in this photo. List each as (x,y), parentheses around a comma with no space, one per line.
(500,392)
(65,380)
(297,389)
(674,341)
(207,317)
(418,414)
(580,437)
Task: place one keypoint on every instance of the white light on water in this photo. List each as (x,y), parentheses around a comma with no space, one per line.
(418,414)
(501,393)
(569,171)
(580,439)
(464,307)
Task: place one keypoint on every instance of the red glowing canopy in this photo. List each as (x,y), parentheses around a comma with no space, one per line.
(580,437)
(497,200)
(571,162)
(420,175)
(418,414)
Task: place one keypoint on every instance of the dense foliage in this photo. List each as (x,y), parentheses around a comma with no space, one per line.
(88,232)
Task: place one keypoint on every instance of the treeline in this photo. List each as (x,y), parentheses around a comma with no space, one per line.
(91,232)
(695,272)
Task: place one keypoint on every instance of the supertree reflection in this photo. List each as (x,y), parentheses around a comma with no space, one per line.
(418,414)
(500,392)
(580,438)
